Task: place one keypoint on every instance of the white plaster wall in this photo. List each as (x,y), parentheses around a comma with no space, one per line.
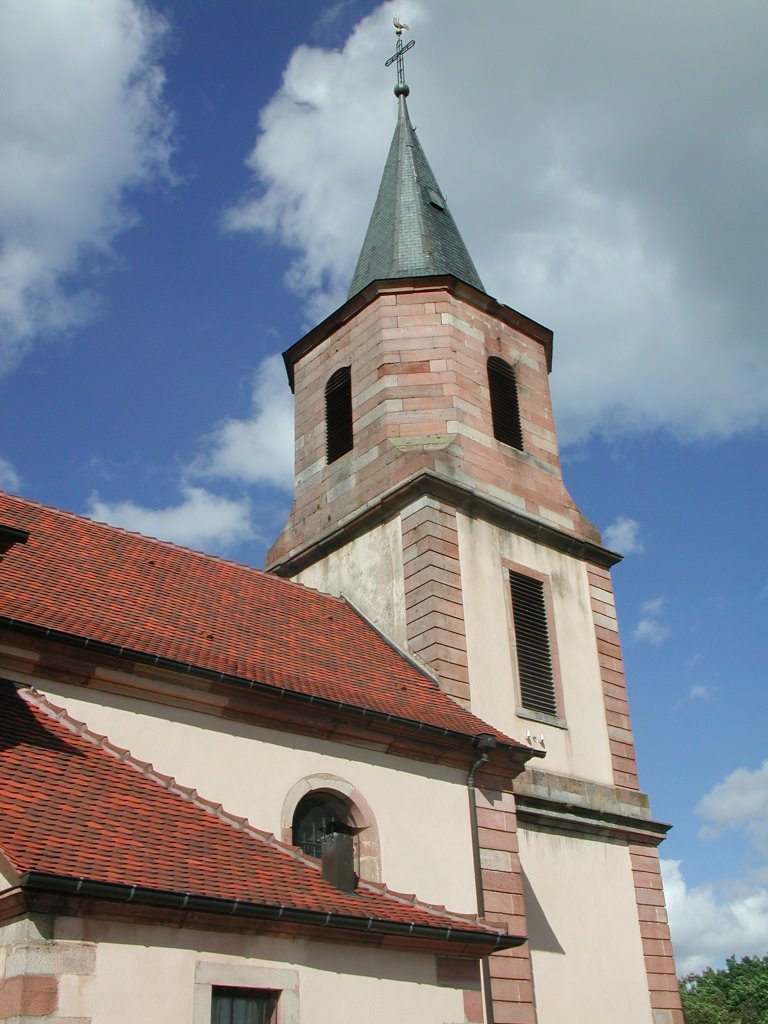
(421,810)
(584,934)
(582,748)
(369,570)
(148,973)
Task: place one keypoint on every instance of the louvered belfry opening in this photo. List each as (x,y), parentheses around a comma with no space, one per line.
(338,414)
(505,408)
(534,658)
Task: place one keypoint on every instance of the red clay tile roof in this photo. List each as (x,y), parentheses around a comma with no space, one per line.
(98,582)
(73,806)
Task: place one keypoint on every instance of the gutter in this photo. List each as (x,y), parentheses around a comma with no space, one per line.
(281,692)
(44,882)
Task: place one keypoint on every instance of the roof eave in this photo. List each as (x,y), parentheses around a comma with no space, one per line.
(450,934)
(517,752)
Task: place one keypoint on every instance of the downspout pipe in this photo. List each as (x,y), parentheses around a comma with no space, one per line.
(484,742)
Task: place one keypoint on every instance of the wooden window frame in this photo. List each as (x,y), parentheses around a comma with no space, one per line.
(531,714)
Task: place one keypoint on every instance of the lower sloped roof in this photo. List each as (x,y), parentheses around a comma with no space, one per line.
(74,808)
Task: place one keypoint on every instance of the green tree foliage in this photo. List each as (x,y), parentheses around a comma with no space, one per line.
(737,994)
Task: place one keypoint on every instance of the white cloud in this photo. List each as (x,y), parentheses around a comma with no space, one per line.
(701,691)
(654,606)
(258,449)
(9,478)
(709,922)
(201,519)
(602,207)
(652,631)
(739,801)
(81,121)
(649,628)
(319,152)
(698,692)
(623,535)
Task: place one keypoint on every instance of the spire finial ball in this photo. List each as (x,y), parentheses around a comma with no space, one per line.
(401,89)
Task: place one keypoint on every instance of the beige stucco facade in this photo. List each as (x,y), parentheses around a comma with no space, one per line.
(587,963)
(578,745)
(113,972)
(369,571)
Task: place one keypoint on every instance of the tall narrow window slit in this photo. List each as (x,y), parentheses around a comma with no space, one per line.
(505,407)
(338,414)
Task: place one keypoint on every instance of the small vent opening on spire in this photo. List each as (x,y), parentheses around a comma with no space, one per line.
(338,414)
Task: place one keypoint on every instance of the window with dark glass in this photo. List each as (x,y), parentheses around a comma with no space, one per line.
(317,815)
(243,1006)
(505,407)
(532,643)
(338,414)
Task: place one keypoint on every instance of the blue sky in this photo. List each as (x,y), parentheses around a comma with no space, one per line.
(184,187)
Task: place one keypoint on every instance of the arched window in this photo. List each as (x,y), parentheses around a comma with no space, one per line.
(315,817)
(338,414)
(505,409)
(317,801)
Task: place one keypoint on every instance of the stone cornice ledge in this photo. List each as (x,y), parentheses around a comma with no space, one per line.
(578,805)
(463,498)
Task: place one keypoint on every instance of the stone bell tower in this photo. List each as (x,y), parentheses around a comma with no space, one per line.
(429,493)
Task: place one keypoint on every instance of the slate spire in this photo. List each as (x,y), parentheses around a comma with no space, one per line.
(411,232)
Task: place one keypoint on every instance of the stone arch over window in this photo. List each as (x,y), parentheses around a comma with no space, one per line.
(505,406)
(338,414)
(319,796)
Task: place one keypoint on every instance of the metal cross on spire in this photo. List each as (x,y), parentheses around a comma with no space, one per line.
(401,89)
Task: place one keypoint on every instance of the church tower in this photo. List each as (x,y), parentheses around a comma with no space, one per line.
(429,493)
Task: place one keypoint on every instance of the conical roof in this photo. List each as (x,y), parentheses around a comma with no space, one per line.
(411,232)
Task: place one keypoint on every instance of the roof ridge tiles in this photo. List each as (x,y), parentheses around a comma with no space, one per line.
(39,700)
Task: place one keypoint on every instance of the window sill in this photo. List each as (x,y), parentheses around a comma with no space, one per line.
(541,716)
